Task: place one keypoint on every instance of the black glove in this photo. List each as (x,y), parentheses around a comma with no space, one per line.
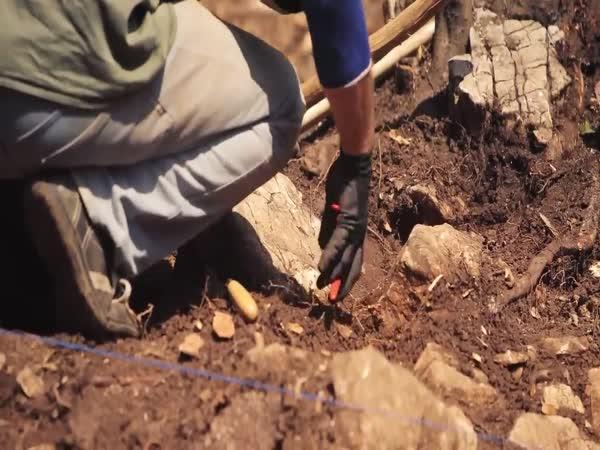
(344,222)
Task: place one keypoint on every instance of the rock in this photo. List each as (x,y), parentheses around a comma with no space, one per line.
(449,382)
(223,325)
(434,352)
(31,384)
(442,250)
(366,377)
(432,211)
(278,356)
(480,376)
(566,345)
(514,68)
(593,391)
(249,421)
(560,396)
(191,345)
(43,447)
(548,432)
(595,269)
(2,360)
(295,328)
(345,331)
(510,358)
(275,256)
(318,157)
(198,325)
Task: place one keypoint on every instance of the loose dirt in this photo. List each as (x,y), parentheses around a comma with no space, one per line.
(495,186)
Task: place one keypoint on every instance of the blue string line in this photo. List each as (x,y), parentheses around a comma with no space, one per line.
(244,382)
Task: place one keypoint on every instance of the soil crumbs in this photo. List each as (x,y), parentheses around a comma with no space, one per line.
(96,397)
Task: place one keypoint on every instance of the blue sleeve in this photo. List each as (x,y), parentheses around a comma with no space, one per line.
(340,40)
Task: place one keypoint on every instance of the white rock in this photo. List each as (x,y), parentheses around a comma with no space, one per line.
(366,377)
(548,432)
(510,358)
(285,229)
(442,250)
(595,269)
(31,384)
(560,396)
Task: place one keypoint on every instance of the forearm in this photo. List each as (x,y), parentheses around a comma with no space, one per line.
(353,112)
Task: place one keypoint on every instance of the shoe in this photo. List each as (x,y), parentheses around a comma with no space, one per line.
(71,249)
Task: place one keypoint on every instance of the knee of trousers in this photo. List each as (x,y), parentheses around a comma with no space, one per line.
(286,112)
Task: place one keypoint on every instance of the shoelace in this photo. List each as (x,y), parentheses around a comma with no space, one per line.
(124,287)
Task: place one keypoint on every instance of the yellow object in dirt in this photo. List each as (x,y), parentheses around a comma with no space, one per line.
(242,299)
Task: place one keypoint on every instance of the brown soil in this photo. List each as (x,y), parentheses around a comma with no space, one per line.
(98,399)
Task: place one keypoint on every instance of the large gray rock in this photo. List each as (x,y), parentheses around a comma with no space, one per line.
(395,410)
(442,250)
(280,233)
(515,69)
(549,432)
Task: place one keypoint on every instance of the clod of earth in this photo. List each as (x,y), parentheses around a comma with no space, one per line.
(318,158)
(191,345)
(442,250)
(557,397)
(250,421)
(510,358)
(566,345)
(593,391)
(366,377)
(549,432)
(223,325)
(31,384)
(288,259)
(514,65)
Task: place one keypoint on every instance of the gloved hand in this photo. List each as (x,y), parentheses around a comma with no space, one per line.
(344,222)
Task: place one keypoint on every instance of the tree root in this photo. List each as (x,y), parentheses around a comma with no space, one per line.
(584,241)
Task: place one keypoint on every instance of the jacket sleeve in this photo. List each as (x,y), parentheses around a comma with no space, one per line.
(340,40)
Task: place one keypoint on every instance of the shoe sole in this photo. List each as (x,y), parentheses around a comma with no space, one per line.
(59,248)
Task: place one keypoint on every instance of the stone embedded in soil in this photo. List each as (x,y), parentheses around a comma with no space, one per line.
(365,377)
(31,384)
(279,235)
(548,432)
(223,325)
(566,345)
(557,397)
(277,356)
(432,210)
(191,345)
(442,250)
(434,352)
(595,269)
(318,157)
(593,391)
(514,68)
(295,328)
(437,367)
(2,360)
(510,358)
(250,421)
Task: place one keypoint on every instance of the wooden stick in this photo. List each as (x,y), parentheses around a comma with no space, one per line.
(383,40)
(317,112)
